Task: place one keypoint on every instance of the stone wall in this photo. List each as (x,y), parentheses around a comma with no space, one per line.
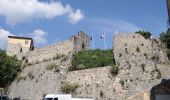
(40,79)
(36,79)
(96,83)
(50,52)
(16,50)
(140,62)
(138,59)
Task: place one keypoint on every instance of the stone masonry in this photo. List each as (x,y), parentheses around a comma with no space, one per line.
(142,64)
(138,60)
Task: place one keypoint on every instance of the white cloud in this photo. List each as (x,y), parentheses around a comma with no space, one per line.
(4,38)
(39,37)
(16,11)
(74,17)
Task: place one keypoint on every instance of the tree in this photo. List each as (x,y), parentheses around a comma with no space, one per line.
(145,34)
(9,68)
(165,38)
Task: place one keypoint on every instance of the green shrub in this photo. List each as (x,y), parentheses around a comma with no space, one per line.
(67,87)
(20,78)
(9,68)
(145,34)
(155,57)
(168,53)
(91,59)
(64,58)
(57,56)
(114,70)
(122,82)
(30,75)
(53,66)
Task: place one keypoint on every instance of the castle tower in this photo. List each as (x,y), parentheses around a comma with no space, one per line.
(19,45)
(81,42)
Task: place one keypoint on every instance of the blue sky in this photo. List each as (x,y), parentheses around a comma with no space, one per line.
(50,21)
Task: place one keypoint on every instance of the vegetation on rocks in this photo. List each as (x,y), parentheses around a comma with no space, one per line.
(145,34)
(30,75)
(67,87)
(53,66)
(9,68)
(19,78)
(92,59)
(165,38)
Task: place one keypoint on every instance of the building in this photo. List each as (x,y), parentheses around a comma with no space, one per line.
(19,45)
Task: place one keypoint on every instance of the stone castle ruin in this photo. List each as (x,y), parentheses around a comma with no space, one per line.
(142,64)
(23,46)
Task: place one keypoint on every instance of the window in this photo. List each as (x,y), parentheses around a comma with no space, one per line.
(26,42)
(55,98)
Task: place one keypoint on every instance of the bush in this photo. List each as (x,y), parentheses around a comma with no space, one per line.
(20,78)
(68,87)
(65,58)
(9,68)
(114,70)
(30,75)
(91,59)
(53,66)
(168,53)
(165,38)
(57,56)
(145,34)
(122,82)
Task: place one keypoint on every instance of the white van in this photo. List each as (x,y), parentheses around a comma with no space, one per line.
(63,97)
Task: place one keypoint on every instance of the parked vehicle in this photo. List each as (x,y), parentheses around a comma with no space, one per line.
(3,97)
(63,97)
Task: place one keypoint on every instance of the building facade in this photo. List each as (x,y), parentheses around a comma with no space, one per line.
(19,45)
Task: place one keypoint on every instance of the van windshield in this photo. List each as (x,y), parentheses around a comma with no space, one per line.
(48,99)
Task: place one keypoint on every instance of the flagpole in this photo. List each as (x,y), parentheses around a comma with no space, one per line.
(104,41)
(92,42)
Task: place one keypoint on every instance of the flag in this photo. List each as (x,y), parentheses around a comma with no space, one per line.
(102,36)
(91,38)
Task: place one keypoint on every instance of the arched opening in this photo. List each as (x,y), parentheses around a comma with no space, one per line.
(83,46)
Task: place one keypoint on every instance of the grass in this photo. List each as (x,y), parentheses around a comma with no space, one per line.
(53,66)
(18,79)
(92,59)
(67,87)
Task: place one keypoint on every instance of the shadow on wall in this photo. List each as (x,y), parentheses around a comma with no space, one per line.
(161,91)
